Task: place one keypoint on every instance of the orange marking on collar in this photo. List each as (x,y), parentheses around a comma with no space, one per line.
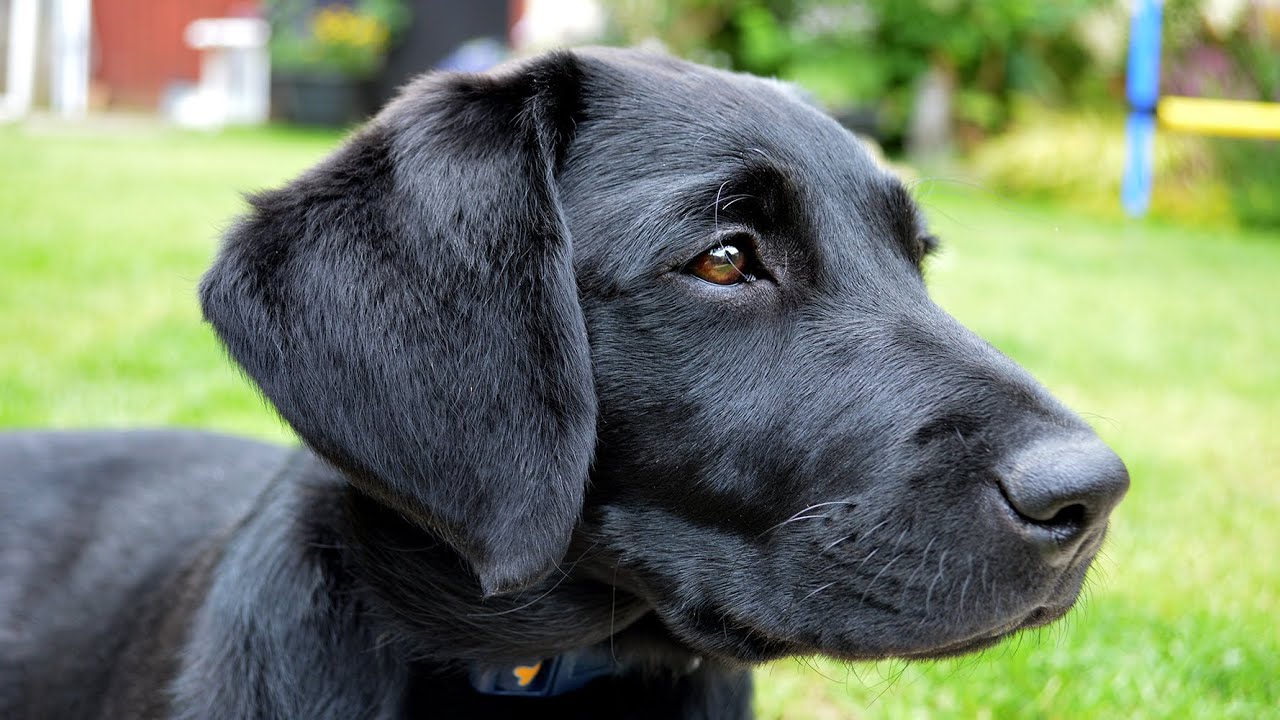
(526,673)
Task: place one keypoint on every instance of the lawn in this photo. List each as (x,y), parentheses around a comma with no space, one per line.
(1167,338)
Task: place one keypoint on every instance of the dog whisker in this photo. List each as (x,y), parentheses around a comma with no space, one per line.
(876,527)
(865,559)
(613,611)
(525,606)
(965,587)
(1109,420)
(898,543)
(716,217)
(923,559)
(937,576)
(801,516)
(863,537)
(818,590)
(836,542)
(890,682)
(867,591)
(724,201)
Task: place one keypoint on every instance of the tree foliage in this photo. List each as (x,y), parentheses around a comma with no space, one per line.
(873,52)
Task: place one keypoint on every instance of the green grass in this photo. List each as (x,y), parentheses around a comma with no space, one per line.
(1167,338)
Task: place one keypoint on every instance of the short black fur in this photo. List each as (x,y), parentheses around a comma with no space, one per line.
(530,430)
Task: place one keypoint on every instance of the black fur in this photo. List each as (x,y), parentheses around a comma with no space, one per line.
(531,430)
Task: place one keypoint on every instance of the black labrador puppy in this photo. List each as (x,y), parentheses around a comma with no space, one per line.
(616,375)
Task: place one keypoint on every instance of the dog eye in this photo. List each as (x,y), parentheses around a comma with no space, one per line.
(723,264)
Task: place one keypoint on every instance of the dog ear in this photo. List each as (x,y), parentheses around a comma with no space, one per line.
(409,307)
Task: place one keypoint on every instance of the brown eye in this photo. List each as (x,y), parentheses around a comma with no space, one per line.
(722,265)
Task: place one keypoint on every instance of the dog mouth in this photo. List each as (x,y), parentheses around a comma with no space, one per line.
(719,633)
(1039,617)
(760,622)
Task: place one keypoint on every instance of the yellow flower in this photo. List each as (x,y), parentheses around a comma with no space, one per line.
(339,25)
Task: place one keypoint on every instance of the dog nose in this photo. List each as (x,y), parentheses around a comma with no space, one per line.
(1062,488)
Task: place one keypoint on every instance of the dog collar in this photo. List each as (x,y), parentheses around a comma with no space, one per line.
(547,677)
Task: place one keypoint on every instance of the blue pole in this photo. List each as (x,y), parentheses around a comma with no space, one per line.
(1142,85)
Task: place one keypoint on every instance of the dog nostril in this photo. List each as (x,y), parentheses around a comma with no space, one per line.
(1065,485)
(1071,515)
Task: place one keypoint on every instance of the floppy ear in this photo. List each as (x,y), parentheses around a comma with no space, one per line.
(409,306)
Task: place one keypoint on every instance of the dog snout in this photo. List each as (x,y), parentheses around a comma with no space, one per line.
(1061,490)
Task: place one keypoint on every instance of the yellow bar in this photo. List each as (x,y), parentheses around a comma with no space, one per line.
(1234,118)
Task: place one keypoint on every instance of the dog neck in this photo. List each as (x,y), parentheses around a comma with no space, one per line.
(325,584)
(424,602)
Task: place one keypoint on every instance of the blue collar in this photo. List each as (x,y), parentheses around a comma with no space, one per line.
(547,677)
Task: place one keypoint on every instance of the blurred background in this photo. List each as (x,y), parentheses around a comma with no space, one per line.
(128,129)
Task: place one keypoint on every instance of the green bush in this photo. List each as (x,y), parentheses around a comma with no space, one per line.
(874,52)
(1003,57)
(347,39)
(1252,168)
(1231,51)
(1079,159)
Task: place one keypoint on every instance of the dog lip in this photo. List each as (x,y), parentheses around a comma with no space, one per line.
(759,643)
(962,647)
(1038,617)
(1043,615)
(778,645)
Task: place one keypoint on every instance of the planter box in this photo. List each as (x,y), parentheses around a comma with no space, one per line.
(321,99)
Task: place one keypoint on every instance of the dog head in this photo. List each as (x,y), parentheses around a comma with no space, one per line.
(677,316)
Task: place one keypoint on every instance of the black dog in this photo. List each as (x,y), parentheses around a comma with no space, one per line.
(616,374)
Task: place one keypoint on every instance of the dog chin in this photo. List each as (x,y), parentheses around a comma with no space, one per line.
(732,640)
(1040,613)
(946,644)
(1039,617)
